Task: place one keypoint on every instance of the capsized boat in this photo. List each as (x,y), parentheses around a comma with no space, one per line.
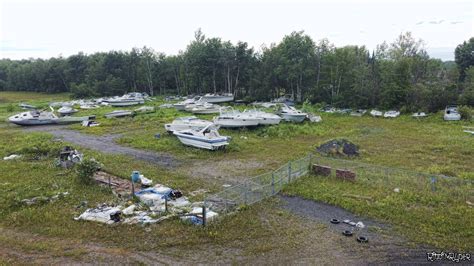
(34,118)
(188,122)
(359,112)
(264,117)
(218,98)
(88,106)
(419,115)
(376,113)
(451,113)
(206,138)
(290,113)
(232,118)
(391,114)
(66,110)
(119,113)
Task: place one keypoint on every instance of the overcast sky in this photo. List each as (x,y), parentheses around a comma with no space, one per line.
(52,28)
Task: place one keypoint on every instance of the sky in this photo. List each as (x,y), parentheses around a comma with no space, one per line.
(44,29)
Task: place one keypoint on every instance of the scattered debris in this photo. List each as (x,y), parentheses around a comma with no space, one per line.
(119,185)
(469,203)
(12,157)
(145,109)
(360,224)
(157,136)
(396,190)
(90,123)
(362,239)
(469,131)
(43,199)
(195,216)
(129,210)
(69,156)
(339,147)
(335,221)
(101,214)
(243,137)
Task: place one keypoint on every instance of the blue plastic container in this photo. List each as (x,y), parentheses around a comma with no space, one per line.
(135,176)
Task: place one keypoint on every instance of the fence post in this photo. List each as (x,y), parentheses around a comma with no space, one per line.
(273,183)
(289,172)
(245,193)
(309,163)
(204,214)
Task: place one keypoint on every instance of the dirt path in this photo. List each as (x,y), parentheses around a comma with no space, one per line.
(382,239)
(106,144)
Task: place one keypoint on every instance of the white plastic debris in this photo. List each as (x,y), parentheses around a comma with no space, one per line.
(129,210)
(179,202)
(195,216)
(145,181)
(360,224)
(396,190)
(11,157)
(104,214)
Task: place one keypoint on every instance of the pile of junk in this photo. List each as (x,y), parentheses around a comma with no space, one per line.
(150,204)
(69,156)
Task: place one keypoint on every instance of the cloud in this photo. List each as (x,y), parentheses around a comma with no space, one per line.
(420,22)
(17,49)
(456,22)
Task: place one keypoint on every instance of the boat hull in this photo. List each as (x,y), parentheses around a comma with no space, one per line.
(269,121)
(234,123)
(294,118)
(202,143)
(124,103)
(218,99)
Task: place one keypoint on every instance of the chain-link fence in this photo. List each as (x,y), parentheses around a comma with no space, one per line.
(263,186)
(257,188)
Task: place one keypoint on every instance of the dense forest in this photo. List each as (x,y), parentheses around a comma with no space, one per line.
(395,75)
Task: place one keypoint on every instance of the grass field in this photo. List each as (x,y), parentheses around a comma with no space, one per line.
(430,145)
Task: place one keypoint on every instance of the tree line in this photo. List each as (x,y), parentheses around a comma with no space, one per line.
(395,75)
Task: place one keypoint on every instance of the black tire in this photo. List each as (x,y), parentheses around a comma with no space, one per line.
(347,233)
(362,239)
(335,221)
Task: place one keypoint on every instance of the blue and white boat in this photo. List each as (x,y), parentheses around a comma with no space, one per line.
(206,138)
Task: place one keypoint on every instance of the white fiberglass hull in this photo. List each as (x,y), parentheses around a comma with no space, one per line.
(205,111)
(202,143)
(178,127)
(452,117)
(179,107)
(218,99)
(298,118)
(237,122)
(269,120)
(124,103)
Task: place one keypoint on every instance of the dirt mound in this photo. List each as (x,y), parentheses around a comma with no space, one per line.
(341,147)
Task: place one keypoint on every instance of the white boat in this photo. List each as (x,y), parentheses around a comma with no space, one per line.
(88,106)
(391,114)
(66,110)
(119,113)
(34,118)
(359,112)
(451,113)
(206,138)
(119,102)
(181,105)
(145,109)
(264,117)
(419,115)
(218,98)
(233,118)
(376,113)
(188,122)
(289,113)
(206,108)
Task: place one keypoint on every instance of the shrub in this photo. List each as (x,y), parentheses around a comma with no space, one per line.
(86,170)
(465,112)
(10,108)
